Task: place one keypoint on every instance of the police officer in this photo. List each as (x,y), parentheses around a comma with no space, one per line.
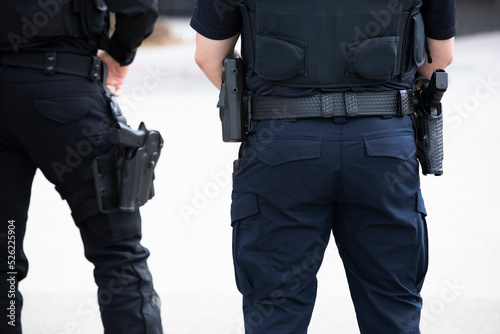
(331,150)
(54,116)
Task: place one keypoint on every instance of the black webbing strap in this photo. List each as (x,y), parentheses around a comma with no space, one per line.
(90,209)
(327,105)
(85,211)
(90,67)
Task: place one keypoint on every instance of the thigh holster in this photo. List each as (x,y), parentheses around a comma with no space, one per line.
(122,179)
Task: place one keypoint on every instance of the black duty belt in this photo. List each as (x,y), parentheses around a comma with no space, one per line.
(90,67)
(326,105)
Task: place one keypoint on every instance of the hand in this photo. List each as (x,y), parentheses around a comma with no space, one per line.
(116,73)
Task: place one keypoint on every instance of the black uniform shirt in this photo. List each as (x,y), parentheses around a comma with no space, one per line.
(27,26)
(221,19)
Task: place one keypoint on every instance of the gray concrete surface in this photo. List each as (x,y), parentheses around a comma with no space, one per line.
(187,227)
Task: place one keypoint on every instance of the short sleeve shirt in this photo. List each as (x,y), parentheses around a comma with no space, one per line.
(221,19)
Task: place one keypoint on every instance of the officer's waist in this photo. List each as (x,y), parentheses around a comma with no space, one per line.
(90,67)
(326,105)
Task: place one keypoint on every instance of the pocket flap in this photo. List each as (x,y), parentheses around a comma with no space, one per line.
(280,151)
(63,109)
(375,58)
(243,205)
(420,203)
(279,58)
(401,147)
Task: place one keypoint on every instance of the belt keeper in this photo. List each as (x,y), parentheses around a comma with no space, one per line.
(403,103)
(50,63)
(251,126)
(351,104)
(326,105)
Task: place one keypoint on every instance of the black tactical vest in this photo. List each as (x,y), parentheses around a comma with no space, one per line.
(332,43)
(26,23)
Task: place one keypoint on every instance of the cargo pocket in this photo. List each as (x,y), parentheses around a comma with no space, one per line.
(400,147)
(279,152)
(423,259)
(373,59)
(63,109)
(244,206)
(280,58)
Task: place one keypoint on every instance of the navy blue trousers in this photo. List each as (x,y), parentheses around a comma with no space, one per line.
(59,124)
(301,180)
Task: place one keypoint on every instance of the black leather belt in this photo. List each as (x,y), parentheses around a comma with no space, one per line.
(90,67)
(326,105)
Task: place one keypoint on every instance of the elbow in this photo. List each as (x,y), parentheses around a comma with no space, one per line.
(449,60)
(152,10)
(202,60)
(199,60)
(445,59)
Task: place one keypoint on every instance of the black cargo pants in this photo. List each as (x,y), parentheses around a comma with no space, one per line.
(60,123)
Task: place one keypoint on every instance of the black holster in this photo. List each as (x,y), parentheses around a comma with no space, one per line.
(232,106)
(428,123)
(429,140)
(124,177)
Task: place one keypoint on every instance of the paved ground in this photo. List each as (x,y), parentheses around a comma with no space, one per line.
(187,229)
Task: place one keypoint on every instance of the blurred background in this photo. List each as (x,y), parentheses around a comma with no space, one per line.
(187,228)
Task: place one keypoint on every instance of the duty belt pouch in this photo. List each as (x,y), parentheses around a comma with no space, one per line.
(93,16)
(429,133)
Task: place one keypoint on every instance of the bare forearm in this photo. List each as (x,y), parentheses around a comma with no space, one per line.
(213,71)
(210,55)
(441,54)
